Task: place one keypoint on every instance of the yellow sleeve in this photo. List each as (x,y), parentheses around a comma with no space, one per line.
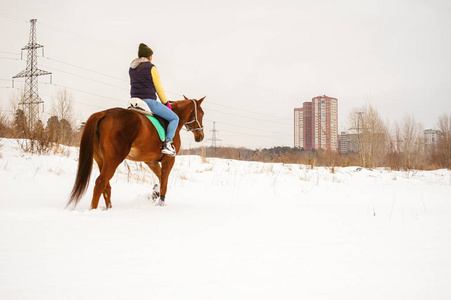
(158,86)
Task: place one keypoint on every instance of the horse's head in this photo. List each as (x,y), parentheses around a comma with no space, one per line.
(191,114)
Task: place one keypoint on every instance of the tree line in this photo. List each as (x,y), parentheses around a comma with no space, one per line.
(401,146)
(40,136)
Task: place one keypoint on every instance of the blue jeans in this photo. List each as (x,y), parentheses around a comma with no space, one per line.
(163,111)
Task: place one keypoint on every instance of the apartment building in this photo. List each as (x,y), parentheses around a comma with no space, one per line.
(316,124)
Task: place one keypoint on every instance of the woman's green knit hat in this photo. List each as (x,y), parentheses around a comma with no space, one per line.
(144,51)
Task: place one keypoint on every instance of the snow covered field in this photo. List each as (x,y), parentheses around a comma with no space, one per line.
(229,230)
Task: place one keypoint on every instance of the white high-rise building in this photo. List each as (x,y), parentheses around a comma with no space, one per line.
(431,137)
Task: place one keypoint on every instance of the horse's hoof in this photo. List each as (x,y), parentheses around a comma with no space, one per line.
(156,192)
(155,196)
(161,201)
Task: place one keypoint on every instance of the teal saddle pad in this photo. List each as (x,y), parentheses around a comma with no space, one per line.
(158,126)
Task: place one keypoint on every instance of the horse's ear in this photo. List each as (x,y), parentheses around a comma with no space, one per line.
(201,100)
(185,97)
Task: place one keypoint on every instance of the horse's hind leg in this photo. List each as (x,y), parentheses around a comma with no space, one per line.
(103,184)
(107,191)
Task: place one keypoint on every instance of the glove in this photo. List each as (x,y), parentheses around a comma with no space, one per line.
(168,105)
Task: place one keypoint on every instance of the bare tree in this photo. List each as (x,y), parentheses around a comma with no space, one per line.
(63,106)
(397,138)
(394,155)
(444,142)
(4,125)
(412,143)
(14,101)
(371,135)
(19,122)
(63,109)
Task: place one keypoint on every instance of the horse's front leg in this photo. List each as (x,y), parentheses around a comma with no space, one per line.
(156,168)
(166,167)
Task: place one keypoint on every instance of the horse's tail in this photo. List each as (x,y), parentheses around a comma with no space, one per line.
(89,136)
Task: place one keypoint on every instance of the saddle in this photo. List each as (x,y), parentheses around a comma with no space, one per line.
(141,107)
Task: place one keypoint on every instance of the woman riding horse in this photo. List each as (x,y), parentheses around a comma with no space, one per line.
(112,135)
(145,84)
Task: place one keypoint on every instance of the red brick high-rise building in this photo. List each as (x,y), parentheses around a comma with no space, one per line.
(308,117)
(303,126)
(316,124)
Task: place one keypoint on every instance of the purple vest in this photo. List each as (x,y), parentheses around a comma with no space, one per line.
(141,83)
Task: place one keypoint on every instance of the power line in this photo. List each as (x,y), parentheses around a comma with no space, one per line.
(13,18)
(232,109)
(258,129)
(83,68)
(84,37)
(253,118)
(93,80)
(225,123)
(86,69)
(10,58)
(274,118)
(103,74)
(116,46)
(70,88)
(249,111)
(123,101)
(13,53)
(92,94)
(242,133)
(82,103)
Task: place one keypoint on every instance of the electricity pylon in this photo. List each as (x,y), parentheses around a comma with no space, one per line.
(30,99)
(214,139)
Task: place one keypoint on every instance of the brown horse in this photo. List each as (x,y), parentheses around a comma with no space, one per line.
(112,135)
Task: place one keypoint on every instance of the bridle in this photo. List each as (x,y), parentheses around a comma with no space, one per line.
(188,127)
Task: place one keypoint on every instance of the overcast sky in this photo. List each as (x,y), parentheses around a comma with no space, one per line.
(254,60)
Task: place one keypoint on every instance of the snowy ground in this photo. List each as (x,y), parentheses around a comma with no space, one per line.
(230,230)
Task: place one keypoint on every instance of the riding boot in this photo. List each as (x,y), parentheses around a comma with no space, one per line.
(168,148)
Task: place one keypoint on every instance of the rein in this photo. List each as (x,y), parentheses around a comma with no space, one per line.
(188,127)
